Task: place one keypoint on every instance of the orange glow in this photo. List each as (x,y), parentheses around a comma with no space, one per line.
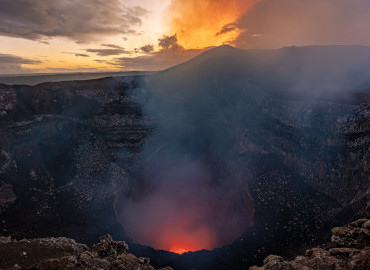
(194,241)
(188,218)
(182,241)
(198,24)
(179,250)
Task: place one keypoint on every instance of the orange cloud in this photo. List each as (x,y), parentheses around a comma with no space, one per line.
(200,24)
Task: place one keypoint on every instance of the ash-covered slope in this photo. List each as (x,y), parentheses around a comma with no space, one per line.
(285,132)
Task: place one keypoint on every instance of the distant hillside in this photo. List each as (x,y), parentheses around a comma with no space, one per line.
(33,79)
(310,71)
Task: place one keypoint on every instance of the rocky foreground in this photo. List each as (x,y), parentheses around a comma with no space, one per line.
(63,253)
(349,250)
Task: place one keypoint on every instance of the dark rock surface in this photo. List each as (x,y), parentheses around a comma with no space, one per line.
(7,197)
(349,250)
(66,254)
(61,153)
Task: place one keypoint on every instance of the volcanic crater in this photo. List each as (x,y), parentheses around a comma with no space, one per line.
(232,156)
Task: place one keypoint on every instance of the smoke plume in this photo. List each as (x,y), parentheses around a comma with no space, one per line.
(190,181)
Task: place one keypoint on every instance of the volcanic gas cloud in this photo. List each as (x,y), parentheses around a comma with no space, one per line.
(188,185)
(184,207)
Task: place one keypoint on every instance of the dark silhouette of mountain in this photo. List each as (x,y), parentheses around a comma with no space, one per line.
(312,71)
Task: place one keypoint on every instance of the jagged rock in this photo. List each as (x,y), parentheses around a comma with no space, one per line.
(341,257)
(7,197)
(106,247)
(272,259)
(66,254)
(355,235)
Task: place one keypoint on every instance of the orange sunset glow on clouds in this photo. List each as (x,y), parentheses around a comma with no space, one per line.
(52,36)
(200,24)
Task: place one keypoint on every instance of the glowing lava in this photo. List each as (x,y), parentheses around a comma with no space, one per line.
(184,212)
(180,250)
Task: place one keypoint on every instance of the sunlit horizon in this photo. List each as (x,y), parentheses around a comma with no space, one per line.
(49,37)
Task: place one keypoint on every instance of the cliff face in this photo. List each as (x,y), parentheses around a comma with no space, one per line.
(71,154)
(59,155)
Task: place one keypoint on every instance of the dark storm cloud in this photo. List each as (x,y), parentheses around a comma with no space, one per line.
(279,23)
(13,64)
(79,20)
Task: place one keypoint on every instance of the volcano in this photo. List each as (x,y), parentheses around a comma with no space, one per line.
(212,164)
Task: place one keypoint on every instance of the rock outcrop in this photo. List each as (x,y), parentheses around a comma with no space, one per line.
(66,254)
(349,250)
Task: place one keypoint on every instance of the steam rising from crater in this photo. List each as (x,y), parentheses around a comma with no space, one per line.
(189,188)
(189,183)
(183,210)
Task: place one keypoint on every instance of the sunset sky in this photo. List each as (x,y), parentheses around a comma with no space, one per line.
(52,36)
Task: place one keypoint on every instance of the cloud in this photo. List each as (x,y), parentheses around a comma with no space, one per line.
(78,54)
(113,50)
(148,62)
(269,23)
(227,28)
(73,70)
(169,42)
(113,46)
(12,64)
(198,22)
(81,55)
(13,59)
(79,20)
(170,54)
(155,61)
(279,23)
(100,61)
(147,48)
